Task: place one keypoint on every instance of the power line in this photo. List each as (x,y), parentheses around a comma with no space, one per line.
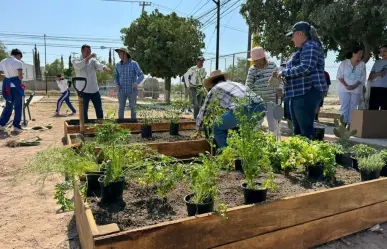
(221,6)
(223,14)
(193,10)
(178,5)
(59,38)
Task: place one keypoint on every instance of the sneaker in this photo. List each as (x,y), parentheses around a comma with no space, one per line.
(72,114)
(17,130)
(56,114)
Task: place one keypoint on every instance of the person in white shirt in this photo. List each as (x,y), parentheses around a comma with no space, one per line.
(194,79)
(65,96)
(378,77)
(352,77)
(87,67)
(12,90)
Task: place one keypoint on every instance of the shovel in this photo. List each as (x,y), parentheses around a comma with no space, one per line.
(80,102)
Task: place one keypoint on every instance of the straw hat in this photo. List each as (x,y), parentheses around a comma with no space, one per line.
(257,53)
(214,75)
(124,50)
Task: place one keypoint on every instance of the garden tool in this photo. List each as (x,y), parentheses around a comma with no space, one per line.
(80,87)
(278,114)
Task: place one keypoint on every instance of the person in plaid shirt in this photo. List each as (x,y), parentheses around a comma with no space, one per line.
(127,76)
(228,93)
(304,78)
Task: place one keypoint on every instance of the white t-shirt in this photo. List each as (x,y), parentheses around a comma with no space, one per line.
(62,84)
(378,67)
(351,75)
(11,67)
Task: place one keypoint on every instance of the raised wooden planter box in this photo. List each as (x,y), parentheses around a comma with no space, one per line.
(296,222)
(369,123)
(72,126)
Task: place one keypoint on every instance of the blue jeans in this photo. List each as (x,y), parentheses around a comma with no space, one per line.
(16,100)
(97,103)
(122,102)
(303,110)
(197,100)
(287,114)
(64,97)
(229,121)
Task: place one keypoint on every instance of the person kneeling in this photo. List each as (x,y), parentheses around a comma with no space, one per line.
(227,93)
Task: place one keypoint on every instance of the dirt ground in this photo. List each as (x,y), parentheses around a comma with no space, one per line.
(29,214)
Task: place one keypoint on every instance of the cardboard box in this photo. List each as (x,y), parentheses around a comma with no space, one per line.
(369,124)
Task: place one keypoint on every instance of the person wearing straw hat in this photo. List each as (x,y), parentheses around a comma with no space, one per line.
(194,78)
(257,80)
(127,76)
(228,93)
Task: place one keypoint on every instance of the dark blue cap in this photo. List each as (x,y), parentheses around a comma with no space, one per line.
(300,26)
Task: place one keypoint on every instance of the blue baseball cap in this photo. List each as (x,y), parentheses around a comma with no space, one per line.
(300,26)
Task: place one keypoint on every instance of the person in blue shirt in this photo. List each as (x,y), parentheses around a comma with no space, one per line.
(127,77)
(304,80)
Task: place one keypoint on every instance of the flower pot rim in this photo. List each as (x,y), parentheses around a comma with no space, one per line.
(198,204)
(122,178)
(244,186)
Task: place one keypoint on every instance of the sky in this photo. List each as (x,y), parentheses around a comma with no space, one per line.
(98,23)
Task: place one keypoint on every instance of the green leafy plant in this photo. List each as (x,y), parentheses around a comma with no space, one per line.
(173,114)
(163,174)
(60,196)
(110,132)
(383,154)
(148,115)
(289,154)
(211,118)
(343,132)
(371,163)
(363,150)
(249,145)
(203,179)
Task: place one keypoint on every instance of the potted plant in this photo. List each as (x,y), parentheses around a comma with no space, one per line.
(370,166)
(173,114)
(147,119)
(359,151)
(203,184)
(319,160)
(250,146)
(289,154)
(383,154)
(344,133)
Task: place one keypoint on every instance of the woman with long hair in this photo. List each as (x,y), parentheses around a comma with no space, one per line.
(303,77)
(352,77)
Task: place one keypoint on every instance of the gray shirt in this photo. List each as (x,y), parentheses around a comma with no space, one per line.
(378,67)
(257,80)
(88,71)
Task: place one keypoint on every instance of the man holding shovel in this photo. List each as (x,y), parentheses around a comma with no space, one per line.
(86,67)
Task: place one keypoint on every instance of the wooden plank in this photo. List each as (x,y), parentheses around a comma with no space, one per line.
(248,221)
(181,148)
(83,218)
(108,229)
(317,232)
(133,127)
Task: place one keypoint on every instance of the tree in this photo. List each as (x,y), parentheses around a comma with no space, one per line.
(165,46)
(238,72)
(3,52)
(103,75)
(69,72)
(341,24)
(54,68)
(38,67)
(61,62)
(110,56)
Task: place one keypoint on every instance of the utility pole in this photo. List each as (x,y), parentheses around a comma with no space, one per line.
(45,62)
(248,48)
(143,4)
(140,3)
(217,33)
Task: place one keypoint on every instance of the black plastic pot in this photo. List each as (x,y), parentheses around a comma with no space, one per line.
(194,209)
(316,172)
(346,161)
(367,176)
(146,131)
(253,195)
(93,187)
(319,133)
(174,129)
(238,165)
(112,192)
(383,172)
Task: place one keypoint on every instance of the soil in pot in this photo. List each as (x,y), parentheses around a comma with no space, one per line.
(93,187)
(369,175)
(252,196)
(194,209)
(316,172)
(174,129)
(112,192)
(319,133)
(146,131)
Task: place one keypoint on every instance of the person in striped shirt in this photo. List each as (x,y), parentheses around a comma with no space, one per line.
(257,80)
